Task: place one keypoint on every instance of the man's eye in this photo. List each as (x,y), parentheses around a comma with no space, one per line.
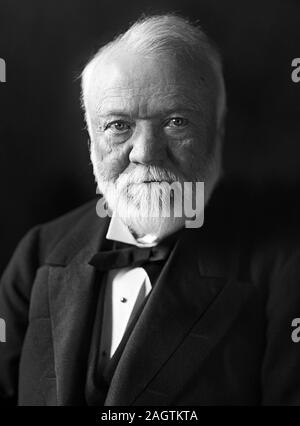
(118,126)
(177,122)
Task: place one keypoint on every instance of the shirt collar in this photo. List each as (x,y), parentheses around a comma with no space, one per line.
(118,231)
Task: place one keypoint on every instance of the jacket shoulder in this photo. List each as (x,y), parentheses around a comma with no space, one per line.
(66,221)
(54,231)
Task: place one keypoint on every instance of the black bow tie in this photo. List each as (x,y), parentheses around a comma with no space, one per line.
(129,256)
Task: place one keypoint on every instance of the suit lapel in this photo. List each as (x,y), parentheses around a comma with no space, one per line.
(191,298)
(197,295)
(73,293)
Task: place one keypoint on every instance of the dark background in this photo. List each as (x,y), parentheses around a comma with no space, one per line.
(44,162)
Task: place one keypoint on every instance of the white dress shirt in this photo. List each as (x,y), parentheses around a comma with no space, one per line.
(125,292)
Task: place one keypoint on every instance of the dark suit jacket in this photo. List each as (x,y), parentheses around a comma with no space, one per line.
(216,328)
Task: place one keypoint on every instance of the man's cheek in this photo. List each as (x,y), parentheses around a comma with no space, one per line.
(103,146)
(114,162)
(185,152)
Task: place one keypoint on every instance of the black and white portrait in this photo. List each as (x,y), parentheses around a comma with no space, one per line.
(150,213)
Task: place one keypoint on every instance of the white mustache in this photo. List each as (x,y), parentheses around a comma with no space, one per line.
(141,174)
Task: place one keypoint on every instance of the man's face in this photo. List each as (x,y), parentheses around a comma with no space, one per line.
(151,119)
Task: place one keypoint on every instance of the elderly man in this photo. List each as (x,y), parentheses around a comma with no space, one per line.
(118,303)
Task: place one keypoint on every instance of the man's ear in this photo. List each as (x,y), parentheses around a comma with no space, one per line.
(88,122)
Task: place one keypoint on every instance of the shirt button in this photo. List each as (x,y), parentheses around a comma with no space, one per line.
(123,300)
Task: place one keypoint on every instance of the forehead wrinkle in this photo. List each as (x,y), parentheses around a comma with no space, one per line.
(160,101)
(124,79)
(122,84)
(118,91)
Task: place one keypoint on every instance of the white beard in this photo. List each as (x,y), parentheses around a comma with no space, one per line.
(146,208)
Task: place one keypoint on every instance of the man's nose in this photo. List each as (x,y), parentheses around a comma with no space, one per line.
(148,146)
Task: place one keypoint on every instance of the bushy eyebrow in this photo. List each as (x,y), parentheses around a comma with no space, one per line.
(114,113)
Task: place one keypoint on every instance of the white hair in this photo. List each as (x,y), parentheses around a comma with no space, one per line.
(165,34)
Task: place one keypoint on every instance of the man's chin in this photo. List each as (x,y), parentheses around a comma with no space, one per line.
(142,225)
